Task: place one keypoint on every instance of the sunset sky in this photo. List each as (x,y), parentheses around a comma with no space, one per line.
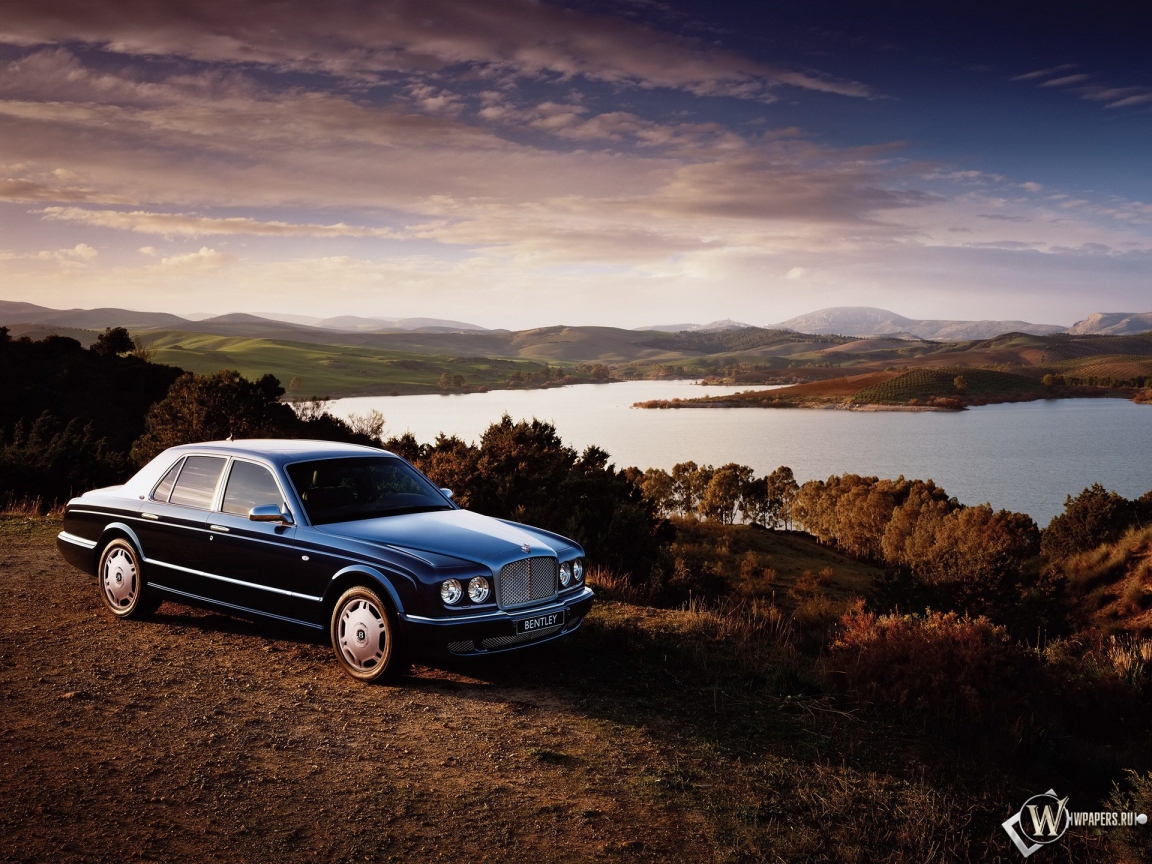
(519,164)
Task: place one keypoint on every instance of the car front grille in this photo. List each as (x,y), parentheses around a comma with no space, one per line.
(526,581)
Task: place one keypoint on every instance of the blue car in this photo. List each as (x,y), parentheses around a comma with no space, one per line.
(337,537)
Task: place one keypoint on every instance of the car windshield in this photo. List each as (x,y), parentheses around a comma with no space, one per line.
(343,490)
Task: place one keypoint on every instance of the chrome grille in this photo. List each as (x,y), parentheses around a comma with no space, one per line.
(527,580)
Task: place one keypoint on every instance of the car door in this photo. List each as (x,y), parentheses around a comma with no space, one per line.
(257,564)
(173,521)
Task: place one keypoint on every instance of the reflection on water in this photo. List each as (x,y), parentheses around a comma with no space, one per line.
(1024,457)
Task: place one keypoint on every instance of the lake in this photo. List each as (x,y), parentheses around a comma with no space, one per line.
(1025,456)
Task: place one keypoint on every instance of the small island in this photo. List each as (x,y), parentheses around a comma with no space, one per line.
(947,388)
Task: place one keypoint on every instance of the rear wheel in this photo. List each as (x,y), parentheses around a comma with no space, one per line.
(122,584)
(364,636)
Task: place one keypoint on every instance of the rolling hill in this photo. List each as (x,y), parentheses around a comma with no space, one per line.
(870,321)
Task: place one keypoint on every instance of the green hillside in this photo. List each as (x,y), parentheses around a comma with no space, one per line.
(308,369)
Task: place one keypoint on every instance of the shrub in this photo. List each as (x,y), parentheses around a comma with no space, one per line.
(52,460)
(941,669)
(1094,517)
(1133,843)
(523,471)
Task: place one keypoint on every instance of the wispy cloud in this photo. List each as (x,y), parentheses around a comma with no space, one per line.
(1066,80)
(190,225)
(1044,73)
(367,40)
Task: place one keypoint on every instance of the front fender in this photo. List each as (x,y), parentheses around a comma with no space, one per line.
(354,574)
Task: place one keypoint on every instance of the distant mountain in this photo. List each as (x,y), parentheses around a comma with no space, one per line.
(1113,324)
(86,319)
(725,324)
(354,323)
(870,321)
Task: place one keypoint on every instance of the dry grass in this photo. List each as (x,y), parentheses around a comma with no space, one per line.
(1112,585)
(31,508)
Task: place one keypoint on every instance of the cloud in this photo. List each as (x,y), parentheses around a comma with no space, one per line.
(795,273)
(1044,73)
(189,225)
(367,40)
(1065,80)
(80,252)
(205,260)
(1128,101)
(1031,186)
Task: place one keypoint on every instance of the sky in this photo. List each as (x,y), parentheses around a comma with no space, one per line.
(519,164)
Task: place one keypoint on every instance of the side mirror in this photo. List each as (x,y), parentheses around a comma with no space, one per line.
(270,513)
(447,493)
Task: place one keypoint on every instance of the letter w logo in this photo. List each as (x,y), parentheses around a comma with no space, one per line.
(1047,822)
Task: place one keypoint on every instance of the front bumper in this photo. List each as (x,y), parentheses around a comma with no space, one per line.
(491,632)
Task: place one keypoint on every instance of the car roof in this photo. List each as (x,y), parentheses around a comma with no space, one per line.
(281,451)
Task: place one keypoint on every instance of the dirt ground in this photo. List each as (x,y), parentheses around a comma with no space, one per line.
(197,737)
(192,736)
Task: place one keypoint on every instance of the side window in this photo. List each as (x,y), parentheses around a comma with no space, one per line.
(250,486)
(197,481)
(164,487)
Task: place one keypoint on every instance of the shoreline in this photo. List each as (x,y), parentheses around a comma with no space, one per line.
(847,405)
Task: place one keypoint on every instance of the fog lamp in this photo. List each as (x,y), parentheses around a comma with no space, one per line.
(451,592)
(565,573)
(478,589)
(578,570)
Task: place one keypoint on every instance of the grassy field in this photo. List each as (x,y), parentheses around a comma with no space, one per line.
(336,370)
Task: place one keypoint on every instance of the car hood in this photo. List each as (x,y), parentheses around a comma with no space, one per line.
(455,533)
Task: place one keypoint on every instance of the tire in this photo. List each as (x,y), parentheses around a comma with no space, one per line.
(364,636)
(121,582)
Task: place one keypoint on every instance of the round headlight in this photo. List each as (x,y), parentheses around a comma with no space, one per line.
(578,570)
(478,589)
(451,592)
(565,573)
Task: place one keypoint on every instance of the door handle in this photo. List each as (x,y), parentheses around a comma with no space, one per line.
(149,516)
(217,528)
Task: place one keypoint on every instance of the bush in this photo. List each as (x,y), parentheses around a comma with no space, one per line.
(226,404)
(523,471)
(1133,843)
(1094,517)
(52,460)
(944,670)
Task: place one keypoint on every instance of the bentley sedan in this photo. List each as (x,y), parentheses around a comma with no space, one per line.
(336,537)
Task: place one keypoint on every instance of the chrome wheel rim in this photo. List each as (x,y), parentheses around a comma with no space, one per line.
(121,580)
(362,635)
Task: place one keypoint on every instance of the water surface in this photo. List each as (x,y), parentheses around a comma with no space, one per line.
(1025,456)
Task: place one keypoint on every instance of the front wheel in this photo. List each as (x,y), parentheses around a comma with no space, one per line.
(364,635)
(122,586)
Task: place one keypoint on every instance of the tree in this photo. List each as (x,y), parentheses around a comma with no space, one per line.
(781,493)
(53,460)
(960,383)
(723,494)
(657,486)
(524,472)
(212,408)
(112,342)
(1094,517)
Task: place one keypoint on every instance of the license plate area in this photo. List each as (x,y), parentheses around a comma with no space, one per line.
(539,622)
